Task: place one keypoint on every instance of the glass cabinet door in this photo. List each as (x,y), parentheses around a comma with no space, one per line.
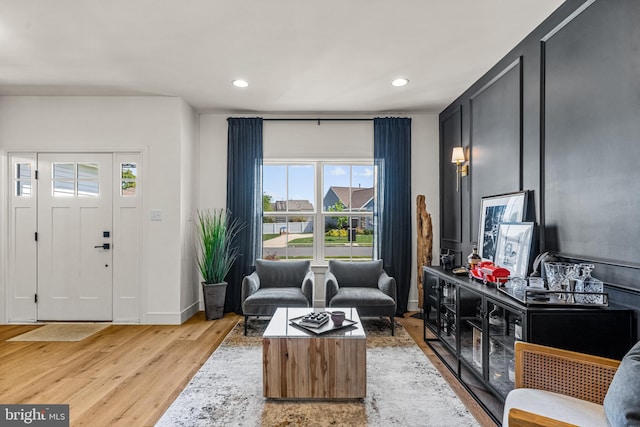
(448,322)
(471,329)
(505,328)
(431,283)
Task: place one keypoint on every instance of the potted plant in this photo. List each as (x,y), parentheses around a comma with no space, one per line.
(216,254)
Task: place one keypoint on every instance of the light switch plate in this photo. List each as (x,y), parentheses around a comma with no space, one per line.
(156,215)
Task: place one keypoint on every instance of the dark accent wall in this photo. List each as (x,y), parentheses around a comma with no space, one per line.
(559,115)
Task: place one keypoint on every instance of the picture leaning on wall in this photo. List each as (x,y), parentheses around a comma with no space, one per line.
(493,211)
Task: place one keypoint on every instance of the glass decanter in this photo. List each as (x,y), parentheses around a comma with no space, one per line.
(588,287)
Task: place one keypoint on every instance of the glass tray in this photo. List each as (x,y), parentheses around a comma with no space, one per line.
(536,296)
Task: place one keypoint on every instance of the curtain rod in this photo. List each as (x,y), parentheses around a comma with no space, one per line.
(318,120)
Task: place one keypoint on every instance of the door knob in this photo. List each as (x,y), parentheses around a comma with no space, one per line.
(104,246)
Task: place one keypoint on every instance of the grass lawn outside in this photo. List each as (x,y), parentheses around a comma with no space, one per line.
(361,240)
(269,236)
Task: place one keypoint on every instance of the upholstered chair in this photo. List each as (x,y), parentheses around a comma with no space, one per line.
(276,284)
(558,388)
(363,285)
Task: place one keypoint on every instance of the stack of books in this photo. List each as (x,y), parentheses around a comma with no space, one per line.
(315,320)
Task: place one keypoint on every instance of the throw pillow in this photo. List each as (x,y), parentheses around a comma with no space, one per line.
(622,401)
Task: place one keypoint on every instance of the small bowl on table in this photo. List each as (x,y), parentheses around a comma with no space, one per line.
(337,317)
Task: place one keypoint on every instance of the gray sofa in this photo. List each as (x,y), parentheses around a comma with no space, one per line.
(363,285)
(276,284)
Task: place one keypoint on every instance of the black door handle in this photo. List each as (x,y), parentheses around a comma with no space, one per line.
(104,246)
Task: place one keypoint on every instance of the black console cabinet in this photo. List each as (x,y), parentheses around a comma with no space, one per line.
(472,327)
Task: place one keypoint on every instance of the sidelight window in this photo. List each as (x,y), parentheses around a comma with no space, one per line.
(23,179)
(128,179)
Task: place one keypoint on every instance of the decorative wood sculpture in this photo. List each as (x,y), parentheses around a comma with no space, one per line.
(425,242)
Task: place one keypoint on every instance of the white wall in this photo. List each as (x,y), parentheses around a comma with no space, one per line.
(154,125)
(184,167)
(425,179)
(337,140)
(189,289)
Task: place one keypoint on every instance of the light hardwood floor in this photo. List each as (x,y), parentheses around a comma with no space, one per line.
(128,375)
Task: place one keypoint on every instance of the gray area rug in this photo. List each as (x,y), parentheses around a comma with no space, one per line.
(403,389)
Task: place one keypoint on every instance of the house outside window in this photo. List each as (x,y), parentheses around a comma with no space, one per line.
(318,210)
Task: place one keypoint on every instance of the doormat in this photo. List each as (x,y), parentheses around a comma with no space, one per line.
(62,332)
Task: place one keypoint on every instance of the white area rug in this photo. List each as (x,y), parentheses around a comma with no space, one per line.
(403,389)
(61,332)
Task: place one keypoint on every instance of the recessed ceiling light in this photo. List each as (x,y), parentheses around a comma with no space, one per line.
(240,83)
(400,82)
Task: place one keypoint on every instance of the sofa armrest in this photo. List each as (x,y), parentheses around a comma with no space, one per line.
(308,286)
(387,284)
(520,418)
(330,287)
(250,285)
(578,375)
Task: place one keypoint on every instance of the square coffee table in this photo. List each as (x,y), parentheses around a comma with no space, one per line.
(297,364)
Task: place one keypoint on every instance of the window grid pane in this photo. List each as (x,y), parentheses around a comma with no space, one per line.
(75,179)
(287,237)
(346,195)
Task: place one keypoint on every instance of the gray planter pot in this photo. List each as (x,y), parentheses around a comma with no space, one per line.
(214,294)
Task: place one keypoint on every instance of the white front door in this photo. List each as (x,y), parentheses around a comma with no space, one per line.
(75,237)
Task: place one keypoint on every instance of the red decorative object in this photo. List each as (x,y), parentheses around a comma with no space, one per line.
(488,272)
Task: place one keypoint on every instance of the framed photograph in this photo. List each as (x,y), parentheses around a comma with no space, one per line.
(494,210)
(513,247)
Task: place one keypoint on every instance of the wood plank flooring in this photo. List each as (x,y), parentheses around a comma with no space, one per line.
(128,375)
(415,328)
(125,375)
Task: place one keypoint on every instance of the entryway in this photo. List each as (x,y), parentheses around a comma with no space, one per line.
(80,207)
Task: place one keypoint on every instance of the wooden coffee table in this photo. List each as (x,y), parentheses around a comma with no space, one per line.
(301,365)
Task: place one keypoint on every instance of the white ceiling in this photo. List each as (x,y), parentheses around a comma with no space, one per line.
(297,55)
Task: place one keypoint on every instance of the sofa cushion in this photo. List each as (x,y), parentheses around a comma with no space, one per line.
(361,273)
(357,296)
(264,302)
(622,401)
(281,274)
(553,405)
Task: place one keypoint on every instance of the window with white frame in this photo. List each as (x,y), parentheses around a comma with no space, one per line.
(318,210)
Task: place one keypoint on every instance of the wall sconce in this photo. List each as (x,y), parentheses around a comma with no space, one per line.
(457,157)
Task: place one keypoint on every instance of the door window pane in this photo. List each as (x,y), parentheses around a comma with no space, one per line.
(63,188)
(23,188)
(88,171)
(23,171)
(88,179)
(128,177)
(75,179)
(23,179)
(63,171)
(88,188)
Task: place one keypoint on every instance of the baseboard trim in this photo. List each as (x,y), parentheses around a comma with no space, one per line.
(189,312)
(160,318)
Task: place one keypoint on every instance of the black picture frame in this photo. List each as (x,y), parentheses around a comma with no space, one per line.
(494,210)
